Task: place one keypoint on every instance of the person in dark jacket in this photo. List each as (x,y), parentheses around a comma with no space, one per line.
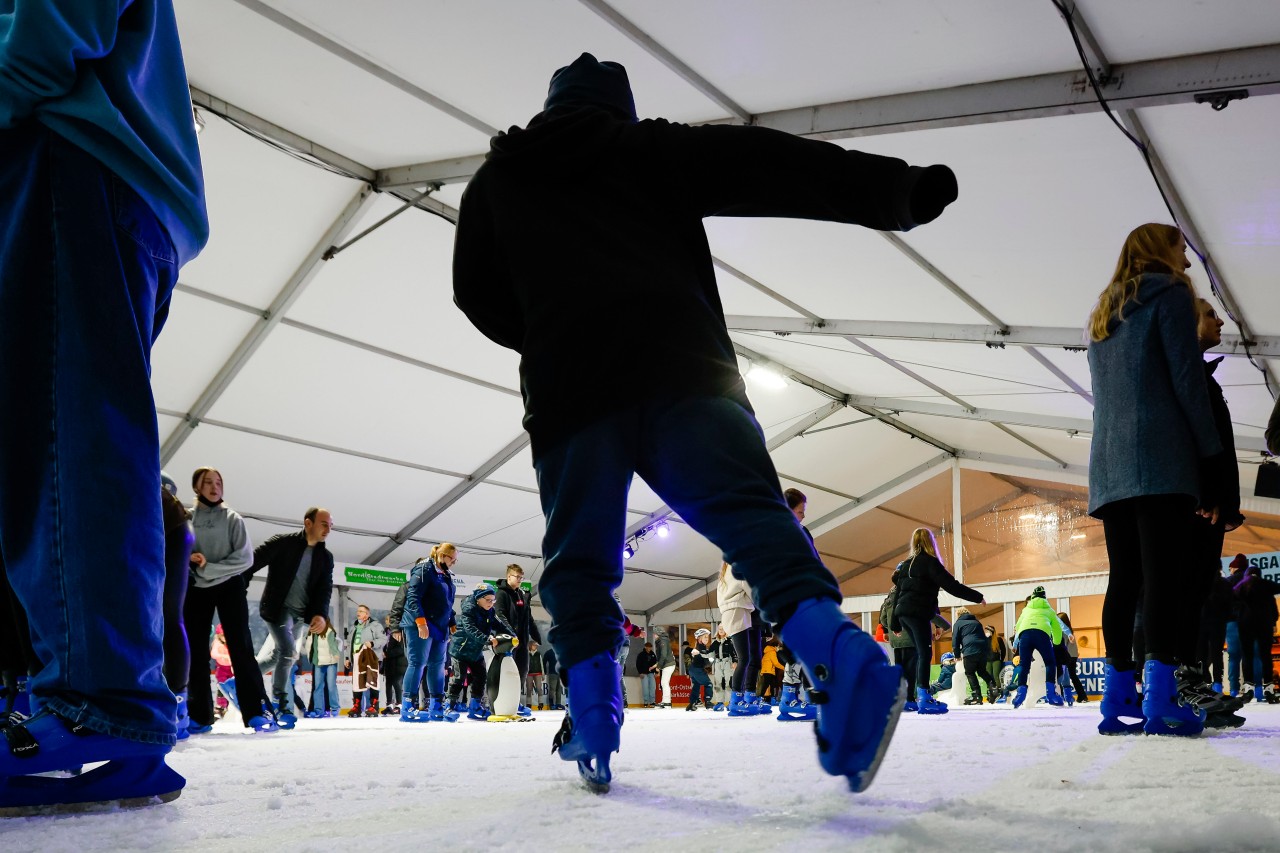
(428,613)
(513,604)
(647,667)
(920,578)
(1155,457)
(946,674)
(296,598)
(1208,530)
(394,663)
(1257,627)
(552,671)
(479,625)
(545,276)
(969,642)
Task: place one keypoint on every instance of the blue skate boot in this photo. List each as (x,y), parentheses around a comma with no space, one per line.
(1120,701)
(477,711)
(756,705)
(739,706)
(438,714)
(858,694)
(184,719)
(926,704)
(1051,694)
(1020,696)
(134,774)
(792,708)
(1166,712)
(285,719)
(409,713)
(264,722)
(592,728)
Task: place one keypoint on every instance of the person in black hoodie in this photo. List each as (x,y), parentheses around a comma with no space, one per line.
(920,577)
(299,585)
(647,667)
(581,279)
(513,605)
(969,641)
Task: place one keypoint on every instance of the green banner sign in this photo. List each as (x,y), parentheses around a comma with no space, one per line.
(376,577)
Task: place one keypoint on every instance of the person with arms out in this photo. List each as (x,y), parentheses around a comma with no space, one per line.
(919,579)
(1154,459)
(604,247)
(101,204)
(296,598)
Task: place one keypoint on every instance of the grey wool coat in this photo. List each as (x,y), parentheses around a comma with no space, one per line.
(1152,422)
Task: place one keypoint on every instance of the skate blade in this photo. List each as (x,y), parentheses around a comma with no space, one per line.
(596,779)
(99,789)
(54,809)
(863,780)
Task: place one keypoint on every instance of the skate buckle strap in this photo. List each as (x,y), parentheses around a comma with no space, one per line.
(818,697)
(562,736)
(21,742)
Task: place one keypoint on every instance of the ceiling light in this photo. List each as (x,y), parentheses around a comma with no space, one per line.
(198,119)
(662,529)
(628,551)
(1077,536)
(766,378)
(1028,516)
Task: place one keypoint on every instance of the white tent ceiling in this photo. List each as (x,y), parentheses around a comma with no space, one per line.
(354,383)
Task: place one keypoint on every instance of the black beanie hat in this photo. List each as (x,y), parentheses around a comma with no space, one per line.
(591,82)
(1038,592)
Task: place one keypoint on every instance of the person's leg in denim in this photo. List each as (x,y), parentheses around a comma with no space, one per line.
(285,634)
(704,456)
(415,649)
(86,272)
(647,688)
(436,649)
(331,687)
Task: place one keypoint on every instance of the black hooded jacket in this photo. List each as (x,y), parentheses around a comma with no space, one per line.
(513,607)
(282,554)
(919,580)
(969,638)
(580,243)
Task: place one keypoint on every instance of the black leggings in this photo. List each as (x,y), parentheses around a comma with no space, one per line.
(1149,549)
(748,647)
(975,667)
(468,672)
(177,653)
(228,599)
(920,631)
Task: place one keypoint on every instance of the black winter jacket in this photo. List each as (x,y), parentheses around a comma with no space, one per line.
(282,554)
(919,579)
(1226,474)
(969,638)
(475,627)
(645,662)
(545,273)
(513,604)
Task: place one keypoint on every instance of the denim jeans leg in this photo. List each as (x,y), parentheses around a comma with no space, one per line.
(437,647)
(282,660)
(706,457)
(415,649)
(583,484)
(86,271)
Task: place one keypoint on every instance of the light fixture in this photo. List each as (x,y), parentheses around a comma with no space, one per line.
(766,377)
(1077,536)
(662,529)
(1075,433)
(1028,516)
(628,551)
(198,119)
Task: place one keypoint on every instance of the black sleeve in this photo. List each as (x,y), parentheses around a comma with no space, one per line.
(397,607)
(482,286)
(324,590)
(944,579)
(265,553)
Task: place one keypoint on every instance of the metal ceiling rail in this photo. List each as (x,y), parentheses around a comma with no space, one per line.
(1139,84)
(449,498)
(288,295)
(367,65)
(667,58)
(1061,337)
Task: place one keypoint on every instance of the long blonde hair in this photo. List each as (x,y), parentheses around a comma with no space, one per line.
(1148,248)
(922,540)
(724,567)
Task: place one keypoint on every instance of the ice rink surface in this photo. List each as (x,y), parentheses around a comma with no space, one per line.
(975,780)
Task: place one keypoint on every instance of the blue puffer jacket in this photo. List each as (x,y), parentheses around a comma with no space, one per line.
(475,627)
(429,597)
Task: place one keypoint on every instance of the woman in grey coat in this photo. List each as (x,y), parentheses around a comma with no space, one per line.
(1150,468)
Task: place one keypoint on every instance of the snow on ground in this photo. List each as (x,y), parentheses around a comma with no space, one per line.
(975,779)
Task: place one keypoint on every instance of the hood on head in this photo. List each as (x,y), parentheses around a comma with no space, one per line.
(588,82)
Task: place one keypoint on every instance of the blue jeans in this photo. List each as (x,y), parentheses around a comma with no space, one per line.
(704,456)
(428,654)
(1035,640)
(324,678)
(86,271)
(286,634)
(648,688)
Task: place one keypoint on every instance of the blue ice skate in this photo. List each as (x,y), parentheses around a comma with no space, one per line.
(437,713)
(926,704)
(859,694)
(1120,702)
(134,774)
(410,714)
(1051,694)
(1020,696)
(1166,713)
(477,711)
(592,729)
(792,709)
(183,718)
